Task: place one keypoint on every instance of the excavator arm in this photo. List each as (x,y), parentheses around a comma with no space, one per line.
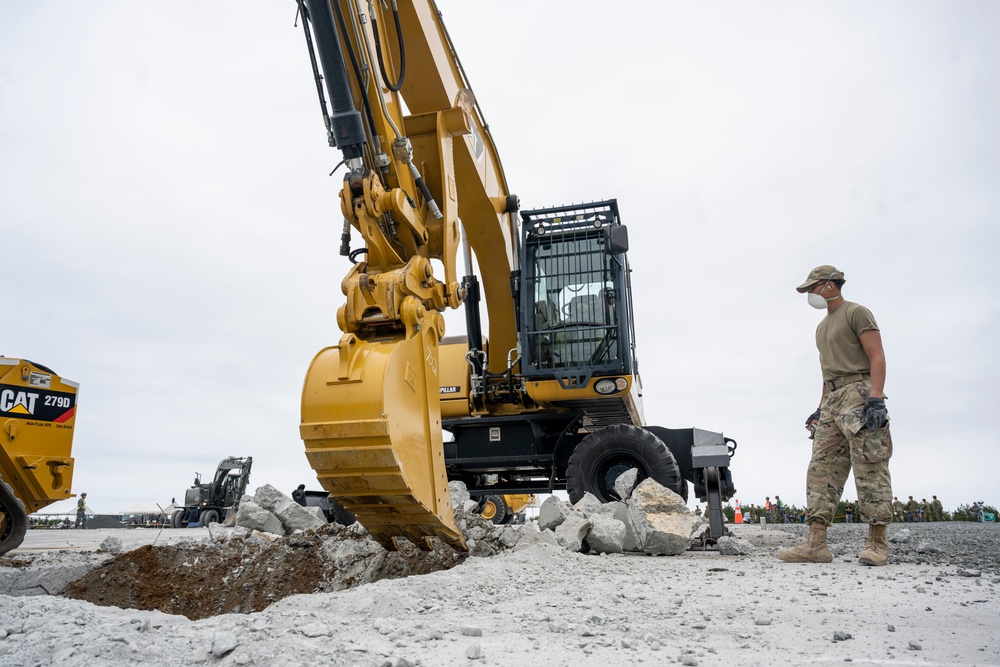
(420,165)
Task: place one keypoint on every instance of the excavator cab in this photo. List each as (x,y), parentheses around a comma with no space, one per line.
(575,303)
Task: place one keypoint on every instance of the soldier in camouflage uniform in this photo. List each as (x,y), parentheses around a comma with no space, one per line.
(911,510)
(897,509)
(938,509)
(850,428)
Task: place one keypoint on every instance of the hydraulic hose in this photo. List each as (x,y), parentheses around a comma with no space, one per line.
(394,87)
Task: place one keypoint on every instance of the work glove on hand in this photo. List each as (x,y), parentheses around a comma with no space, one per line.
(812,419)
(875,413)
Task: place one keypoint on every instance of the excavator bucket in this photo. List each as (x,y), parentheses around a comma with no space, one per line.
(37,415)
(371,423)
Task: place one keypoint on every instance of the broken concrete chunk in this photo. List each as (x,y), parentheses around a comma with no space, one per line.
(531,536)
(265,537)
(111,545)
(316,512)
(553,512)
(217,532)
(271,499)
(570,533)
(509,535)
(731,546)
(295,517)
(621,513)
(588,505)
(255,517)
(626,482)
(663,526)
(459,494)
(606,535)
(607,510)
(241,532)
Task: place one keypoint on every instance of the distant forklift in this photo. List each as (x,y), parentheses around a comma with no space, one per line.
(208,503)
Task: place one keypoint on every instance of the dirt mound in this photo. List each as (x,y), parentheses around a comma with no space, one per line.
(243,575)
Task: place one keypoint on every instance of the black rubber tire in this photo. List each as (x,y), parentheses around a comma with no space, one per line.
(683,491)
(208,516)
(604,455)
(176,519)
(495,509)
(16,518)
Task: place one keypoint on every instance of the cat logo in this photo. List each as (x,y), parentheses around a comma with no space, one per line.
(21,402)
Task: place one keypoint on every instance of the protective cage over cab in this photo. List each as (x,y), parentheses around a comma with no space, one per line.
(575,297)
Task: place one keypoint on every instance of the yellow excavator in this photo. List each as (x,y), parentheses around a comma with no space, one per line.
(38,412)
(551,398)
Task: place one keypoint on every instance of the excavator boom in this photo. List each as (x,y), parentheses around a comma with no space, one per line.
(371,417)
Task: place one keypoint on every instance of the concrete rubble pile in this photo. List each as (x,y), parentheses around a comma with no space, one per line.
(270,512)
(652,520)
(278,548)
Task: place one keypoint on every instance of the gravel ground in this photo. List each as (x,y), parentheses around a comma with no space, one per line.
(934,604)
(968,545)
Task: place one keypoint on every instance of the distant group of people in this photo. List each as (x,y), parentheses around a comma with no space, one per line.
(913,512)
(771,512)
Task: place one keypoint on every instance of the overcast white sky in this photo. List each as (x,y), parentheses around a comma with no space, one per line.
(169,234)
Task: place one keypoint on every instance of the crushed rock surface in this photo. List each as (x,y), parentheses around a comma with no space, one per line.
(241,575)
(959,543)
(546,605)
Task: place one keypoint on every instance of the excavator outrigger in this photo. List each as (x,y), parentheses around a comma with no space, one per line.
(551,398)
(37,415)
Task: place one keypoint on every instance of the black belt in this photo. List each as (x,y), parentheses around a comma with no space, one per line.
(837,383)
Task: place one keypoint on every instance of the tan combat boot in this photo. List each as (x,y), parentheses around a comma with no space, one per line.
(815,550)
(876,551)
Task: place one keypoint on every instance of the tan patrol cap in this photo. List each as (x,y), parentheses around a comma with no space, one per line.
(820,273)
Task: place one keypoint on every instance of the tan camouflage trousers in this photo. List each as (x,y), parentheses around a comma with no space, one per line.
(843,442)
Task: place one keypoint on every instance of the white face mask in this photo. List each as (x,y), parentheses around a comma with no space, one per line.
(817,301)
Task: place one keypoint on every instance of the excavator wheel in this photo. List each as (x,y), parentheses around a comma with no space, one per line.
(683,491)
(209,516)
(494,509)
(176,519)
(602,456)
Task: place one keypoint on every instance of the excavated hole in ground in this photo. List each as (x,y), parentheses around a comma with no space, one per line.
(199,580)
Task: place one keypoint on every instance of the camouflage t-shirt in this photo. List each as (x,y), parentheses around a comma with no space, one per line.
(838,340)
